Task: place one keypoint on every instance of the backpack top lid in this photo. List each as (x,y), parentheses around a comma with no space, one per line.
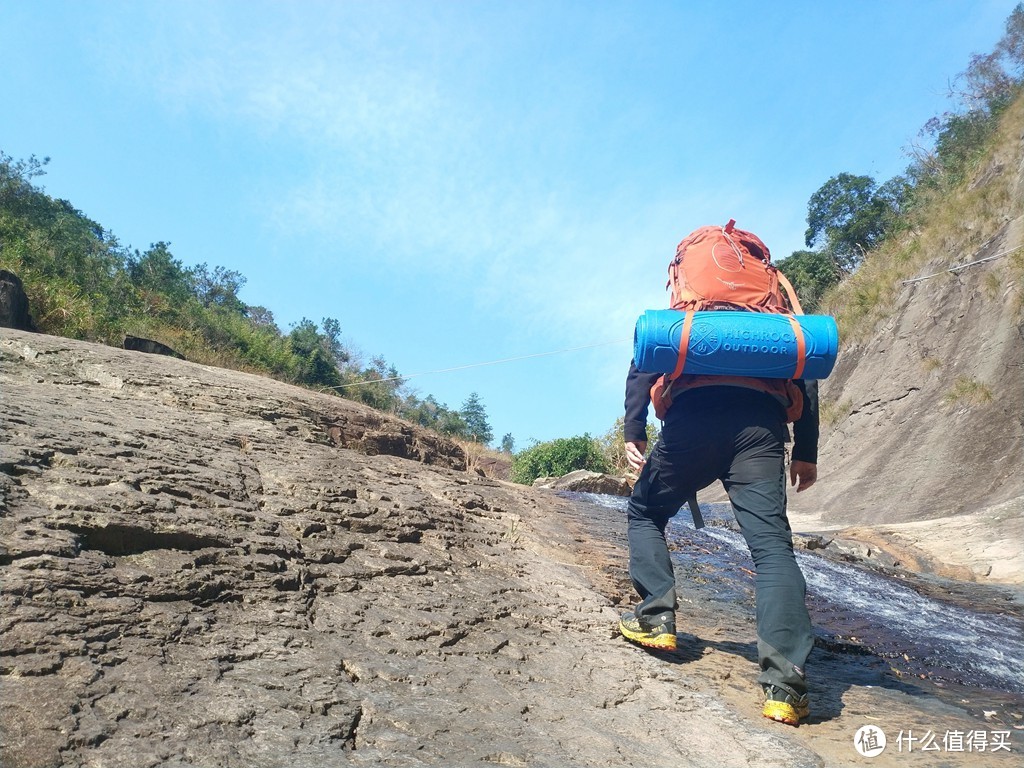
(721,267)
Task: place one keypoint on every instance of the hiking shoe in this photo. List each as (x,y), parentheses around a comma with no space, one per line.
(784,707)
(661,635)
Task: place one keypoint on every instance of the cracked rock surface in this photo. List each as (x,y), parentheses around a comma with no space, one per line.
(202,567)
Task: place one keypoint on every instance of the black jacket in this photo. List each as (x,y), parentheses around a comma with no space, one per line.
(638,400)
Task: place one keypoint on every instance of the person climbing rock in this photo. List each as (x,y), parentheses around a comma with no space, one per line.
(733,430)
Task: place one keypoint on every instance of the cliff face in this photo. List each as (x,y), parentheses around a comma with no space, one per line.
(927,407)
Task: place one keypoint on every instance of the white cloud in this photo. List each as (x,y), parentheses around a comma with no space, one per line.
(415,166)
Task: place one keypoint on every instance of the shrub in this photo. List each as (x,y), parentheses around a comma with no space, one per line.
(613,446)
(558,457)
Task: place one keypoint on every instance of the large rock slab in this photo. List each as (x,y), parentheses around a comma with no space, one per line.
(207,568)
(203,567)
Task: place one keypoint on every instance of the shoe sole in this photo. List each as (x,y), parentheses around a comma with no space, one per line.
(781,712)
(662,642)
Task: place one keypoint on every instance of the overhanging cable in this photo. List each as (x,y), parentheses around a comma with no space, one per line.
(963,266)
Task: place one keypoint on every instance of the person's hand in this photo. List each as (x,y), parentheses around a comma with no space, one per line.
(802,474)
(636,451)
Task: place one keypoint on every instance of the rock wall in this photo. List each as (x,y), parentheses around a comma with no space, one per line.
(929,410)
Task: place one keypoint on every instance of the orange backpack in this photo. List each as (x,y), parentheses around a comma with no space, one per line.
(726,268)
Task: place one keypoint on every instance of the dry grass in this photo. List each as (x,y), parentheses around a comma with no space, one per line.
(993,284)
(968,391)
(831,413)
(191,345)
(485,461)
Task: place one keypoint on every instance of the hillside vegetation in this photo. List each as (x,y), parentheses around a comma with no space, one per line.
(82,283)
(864,239)
(868,236)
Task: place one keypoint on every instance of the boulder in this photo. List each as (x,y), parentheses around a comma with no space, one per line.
(138,344)
(14,303)
(585,481)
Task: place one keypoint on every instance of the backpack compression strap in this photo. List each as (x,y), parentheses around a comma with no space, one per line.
(801,347)
(798,332)
(698,518)
(684,346)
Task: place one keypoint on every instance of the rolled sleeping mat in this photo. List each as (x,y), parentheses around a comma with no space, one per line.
(734,343)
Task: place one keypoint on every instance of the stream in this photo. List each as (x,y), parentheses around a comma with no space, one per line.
(958,639)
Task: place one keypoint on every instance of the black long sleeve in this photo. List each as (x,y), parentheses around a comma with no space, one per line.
(805,429)
(638,400)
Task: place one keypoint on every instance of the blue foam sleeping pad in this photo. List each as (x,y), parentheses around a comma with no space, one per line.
(732,343)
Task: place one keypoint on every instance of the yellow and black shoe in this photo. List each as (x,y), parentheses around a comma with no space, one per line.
(661,634)
(784,707)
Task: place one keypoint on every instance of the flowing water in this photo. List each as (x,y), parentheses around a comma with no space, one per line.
(952,634)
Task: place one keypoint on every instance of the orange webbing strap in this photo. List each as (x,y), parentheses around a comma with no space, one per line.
(794,302)
(801,346)
(684,345)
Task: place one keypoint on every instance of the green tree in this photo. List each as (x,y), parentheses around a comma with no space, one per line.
(508,443)
(811,273)
(218,288)
(613,445)
(157,272)
(558,457)
(261,317)
(984,90)
(452,424)
(425,412)
(379,386)
(849,216)
(314,362)
(475,416)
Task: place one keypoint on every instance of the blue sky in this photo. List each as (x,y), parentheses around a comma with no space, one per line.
(462,182)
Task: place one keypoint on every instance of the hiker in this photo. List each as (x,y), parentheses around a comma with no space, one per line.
(733,430)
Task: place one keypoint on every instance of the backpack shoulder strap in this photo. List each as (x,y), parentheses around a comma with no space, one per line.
(794,302)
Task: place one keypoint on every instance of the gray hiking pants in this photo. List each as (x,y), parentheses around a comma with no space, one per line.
(736,436)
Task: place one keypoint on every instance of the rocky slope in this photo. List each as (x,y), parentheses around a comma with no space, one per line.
(928,408)
(206,568)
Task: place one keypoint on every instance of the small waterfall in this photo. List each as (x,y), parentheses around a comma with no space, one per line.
(894,620)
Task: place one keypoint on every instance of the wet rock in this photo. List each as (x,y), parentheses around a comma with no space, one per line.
(585,481)
(854,550)
(810,541)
